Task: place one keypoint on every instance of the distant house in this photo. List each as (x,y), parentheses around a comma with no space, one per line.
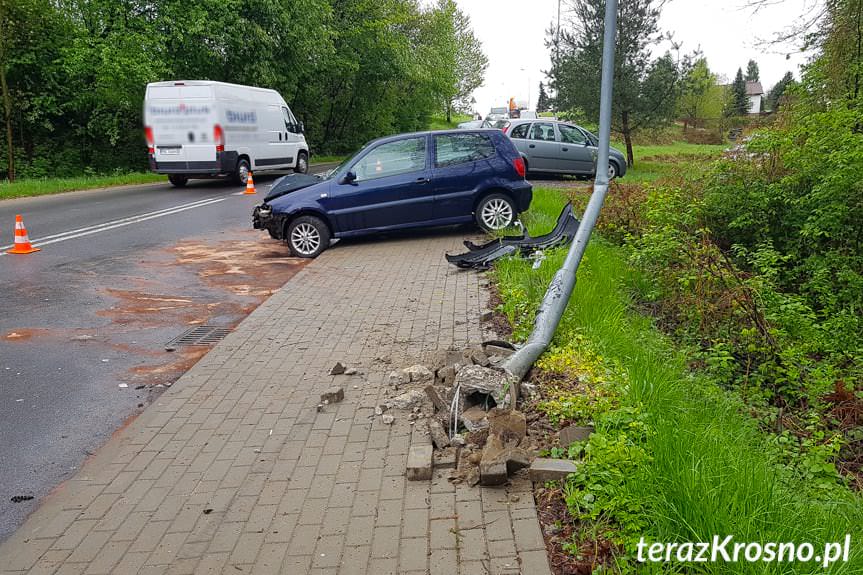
(755,93)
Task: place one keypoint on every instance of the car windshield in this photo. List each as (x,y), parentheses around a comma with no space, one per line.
(343,166)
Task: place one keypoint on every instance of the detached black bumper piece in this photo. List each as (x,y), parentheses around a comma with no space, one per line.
(482,256)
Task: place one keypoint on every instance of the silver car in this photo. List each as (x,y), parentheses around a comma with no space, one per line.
(555,147)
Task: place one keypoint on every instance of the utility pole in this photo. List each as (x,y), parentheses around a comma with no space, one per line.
(560,289)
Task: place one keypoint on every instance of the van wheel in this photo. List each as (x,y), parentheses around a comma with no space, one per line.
(178,181)
(308,236)
(495,212)
(302,163)
(242,173)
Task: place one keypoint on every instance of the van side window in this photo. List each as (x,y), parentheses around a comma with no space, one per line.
(290,121)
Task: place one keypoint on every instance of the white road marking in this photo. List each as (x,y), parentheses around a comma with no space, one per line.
(105,226)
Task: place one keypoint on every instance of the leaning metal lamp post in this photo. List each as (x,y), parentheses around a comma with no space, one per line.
(559,290)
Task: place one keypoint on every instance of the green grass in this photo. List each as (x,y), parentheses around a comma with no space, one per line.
(44,186)
(709,470)
(438,121)
(329,159)
(652,161)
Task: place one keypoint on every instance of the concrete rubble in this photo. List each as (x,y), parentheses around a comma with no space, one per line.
(486,442)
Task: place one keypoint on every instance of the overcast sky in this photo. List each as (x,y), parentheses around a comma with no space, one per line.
(513,37)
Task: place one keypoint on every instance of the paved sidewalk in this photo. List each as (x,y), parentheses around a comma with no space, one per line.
(233,470)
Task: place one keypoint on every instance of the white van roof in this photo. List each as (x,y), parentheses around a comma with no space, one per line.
(171,90)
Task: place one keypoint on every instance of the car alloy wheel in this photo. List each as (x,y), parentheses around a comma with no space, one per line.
(305,239)
(612,171)
(243,173)
(496,214)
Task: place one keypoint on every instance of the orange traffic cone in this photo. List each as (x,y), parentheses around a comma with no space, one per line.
(250,185)
(22,242)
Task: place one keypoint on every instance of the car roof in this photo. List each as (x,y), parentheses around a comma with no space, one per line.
(396,137)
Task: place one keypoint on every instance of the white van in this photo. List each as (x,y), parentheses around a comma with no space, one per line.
(203,129)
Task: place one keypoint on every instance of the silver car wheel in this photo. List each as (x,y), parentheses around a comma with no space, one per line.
(496,214)
(302,164)
(612,171)
(305,238)
(244,172)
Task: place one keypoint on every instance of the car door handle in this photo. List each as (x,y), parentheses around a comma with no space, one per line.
(532,146)
(423,180)
(565,149)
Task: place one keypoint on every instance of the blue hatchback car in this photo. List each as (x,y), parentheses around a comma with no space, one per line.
(405,181)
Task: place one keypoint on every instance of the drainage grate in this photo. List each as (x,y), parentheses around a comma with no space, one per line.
(199,335)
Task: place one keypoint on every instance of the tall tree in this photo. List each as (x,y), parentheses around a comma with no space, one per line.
(645,90)
(738,103)
(774,96)
(542,102)
(470,60)
(695,92)
(752,71)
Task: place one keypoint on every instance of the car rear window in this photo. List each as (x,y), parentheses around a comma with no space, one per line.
(452,149)
(519,131)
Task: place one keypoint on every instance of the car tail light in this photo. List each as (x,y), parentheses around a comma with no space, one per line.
(518,164)
(219,138)
(148,135)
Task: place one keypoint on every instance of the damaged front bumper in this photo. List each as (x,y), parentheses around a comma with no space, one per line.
(263,218)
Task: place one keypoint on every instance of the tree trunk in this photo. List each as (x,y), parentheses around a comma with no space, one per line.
(448,112)
(627,137)
(7,108)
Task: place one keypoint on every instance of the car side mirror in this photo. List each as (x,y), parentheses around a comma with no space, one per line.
(348,178)
(301,128)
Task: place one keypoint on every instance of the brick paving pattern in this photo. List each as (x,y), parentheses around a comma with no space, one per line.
(233,470)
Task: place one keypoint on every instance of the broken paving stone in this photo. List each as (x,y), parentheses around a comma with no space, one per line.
(457,440)
(478,357)
(438,435)
(333,395)
(379,410)
(493,473)
(352,371)
(419,465)
(388,419)
(486,315)
(407,400)
(542,470)
(446,458)
(337,369)
(572,433)
(446,375)
(435,398)
(419,374)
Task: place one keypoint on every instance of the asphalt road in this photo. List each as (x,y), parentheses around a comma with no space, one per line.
(84,322)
